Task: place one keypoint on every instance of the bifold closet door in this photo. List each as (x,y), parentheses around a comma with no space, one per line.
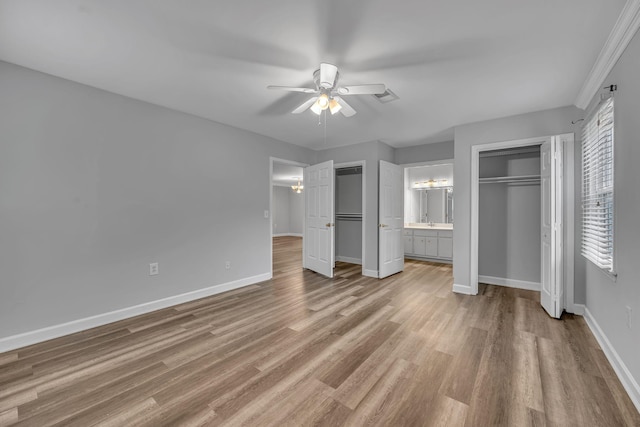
(551,227)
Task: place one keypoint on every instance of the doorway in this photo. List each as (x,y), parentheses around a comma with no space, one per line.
(556,217)
(350,220)
(286,208)
(428,211)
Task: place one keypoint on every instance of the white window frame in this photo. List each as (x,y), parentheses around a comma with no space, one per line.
(598,196)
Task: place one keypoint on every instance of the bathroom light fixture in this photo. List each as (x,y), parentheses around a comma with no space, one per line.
(298,187)
(431,183)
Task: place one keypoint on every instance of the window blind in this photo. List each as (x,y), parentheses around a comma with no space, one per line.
(597,187)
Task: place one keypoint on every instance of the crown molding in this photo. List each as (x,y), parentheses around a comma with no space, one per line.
(623,31)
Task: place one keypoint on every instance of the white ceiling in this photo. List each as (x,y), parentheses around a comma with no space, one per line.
(450,62)
(286,175)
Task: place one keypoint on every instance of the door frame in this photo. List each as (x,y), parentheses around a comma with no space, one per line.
(568,203)
(273,160)
(363,164)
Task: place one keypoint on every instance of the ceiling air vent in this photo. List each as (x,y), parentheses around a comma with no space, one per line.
(386,96)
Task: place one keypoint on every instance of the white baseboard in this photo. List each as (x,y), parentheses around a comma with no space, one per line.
(349,259)
(628,382)
(370,273)
(462,289)
(32,337)
(578,309)
(422,258)
(288,235)
(511,283)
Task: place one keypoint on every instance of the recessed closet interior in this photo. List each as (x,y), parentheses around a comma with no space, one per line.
(509,217)
(348,214)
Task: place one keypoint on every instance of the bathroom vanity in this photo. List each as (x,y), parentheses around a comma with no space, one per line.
(428,212)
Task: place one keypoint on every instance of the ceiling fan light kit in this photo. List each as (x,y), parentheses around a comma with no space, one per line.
(326,81)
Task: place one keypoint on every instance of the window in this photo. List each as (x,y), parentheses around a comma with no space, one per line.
(597,187)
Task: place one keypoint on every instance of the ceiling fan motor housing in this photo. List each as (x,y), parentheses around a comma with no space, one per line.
(326,76)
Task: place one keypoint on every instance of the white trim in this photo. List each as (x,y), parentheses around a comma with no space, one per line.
(273,160)
(370,273)
(623,31)
(628,382)
(32,337)
(569,220)
(475,190)
(288,235)
(578,309)
(429,163)
(511,283)
(428,259)
(362,163)
(462,289)
(348,259)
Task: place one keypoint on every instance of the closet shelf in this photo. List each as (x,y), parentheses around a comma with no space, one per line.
(350,214)
(510,179)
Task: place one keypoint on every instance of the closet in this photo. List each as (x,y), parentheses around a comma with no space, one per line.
(348,214)
(509,208)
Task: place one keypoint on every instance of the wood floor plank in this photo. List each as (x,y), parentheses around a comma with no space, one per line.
(302,349)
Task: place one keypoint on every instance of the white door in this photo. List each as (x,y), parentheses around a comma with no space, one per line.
(551,295)
(318,229)
(391,217)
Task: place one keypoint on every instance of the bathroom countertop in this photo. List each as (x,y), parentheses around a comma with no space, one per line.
(424,226)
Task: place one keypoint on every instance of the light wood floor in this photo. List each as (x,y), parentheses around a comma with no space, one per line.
(304,350)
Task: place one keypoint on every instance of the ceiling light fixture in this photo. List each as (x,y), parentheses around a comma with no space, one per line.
(321,104)
(334,106)
(298,187)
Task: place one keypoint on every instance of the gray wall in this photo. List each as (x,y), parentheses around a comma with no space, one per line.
(549,122)
(348,233)
(607,299)
(280,214)
(424,153)
(296,213)
(509,220)
(288,211)
(371,153)
(95,186)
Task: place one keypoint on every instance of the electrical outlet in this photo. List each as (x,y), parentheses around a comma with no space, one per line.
(266,214)
(153,269)
(227,265)
(629,316)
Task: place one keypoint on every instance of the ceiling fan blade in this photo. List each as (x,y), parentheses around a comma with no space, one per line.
(361,89)
(346,109)
(328,73)
(305,106)
(294,89)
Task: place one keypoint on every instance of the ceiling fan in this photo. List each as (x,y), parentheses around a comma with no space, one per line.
(327,93)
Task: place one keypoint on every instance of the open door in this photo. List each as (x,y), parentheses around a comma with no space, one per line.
(318,230)
(391,217)
(551,293)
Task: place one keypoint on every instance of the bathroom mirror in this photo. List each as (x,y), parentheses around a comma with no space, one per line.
(429,194)
(435,205)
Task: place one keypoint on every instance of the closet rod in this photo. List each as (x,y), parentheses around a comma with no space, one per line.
(349,218)
(532,149)
(349,170)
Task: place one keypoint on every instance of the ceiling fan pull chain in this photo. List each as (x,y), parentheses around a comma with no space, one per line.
(325,127)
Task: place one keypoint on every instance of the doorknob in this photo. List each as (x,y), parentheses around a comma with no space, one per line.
(383,225)
(329,224)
